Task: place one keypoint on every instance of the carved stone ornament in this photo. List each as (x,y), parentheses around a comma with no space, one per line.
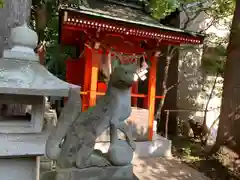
(20,71)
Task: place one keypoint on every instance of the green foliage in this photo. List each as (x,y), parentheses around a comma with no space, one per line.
(223,8)
(220,8)
(218,11)
(213,62)
(1,3)
(55,55)
(162,8)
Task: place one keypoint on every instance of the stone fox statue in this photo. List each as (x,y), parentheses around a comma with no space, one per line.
(74,146)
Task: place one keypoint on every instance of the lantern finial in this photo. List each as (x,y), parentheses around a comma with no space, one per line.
(24,41)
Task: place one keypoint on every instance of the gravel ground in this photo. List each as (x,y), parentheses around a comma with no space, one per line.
(164,169)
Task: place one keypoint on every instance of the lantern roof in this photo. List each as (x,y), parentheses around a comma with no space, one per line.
(134,12)
(21,72)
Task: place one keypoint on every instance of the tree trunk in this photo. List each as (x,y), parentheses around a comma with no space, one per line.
(169,90)
(164,87)
(168,79)
(229,123)
(204,124)
(19,11)
(3,29)
(15,12)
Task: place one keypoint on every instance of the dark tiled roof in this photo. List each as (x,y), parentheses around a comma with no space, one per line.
(120,11)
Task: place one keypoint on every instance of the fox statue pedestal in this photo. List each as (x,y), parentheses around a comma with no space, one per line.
(97,173)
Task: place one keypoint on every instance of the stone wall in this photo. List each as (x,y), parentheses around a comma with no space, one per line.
(193,79)
(191,74)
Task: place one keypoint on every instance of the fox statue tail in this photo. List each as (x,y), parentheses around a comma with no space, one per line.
(69,113)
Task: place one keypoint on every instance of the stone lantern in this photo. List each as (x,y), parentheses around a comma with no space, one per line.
(24,83)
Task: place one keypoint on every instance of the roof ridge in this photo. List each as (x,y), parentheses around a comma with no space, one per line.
(124,3)
(143,4)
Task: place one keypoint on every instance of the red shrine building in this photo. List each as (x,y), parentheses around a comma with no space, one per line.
(108,30)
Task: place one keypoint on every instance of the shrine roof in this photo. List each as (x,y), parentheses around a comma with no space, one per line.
(122,12)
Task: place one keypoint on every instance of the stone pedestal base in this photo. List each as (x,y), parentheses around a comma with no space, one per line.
(158,147)
(97,173)
(14,168)
(48,175)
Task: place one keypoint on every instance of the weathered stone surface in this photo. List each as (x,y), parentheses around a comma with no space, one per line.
(119,153)
(70,112)
(48,175)
(15,168)
(75,144)
(97,173)
(138,121)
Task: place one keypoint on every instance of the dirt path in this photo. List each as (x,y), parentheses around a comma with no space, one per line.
(164,169)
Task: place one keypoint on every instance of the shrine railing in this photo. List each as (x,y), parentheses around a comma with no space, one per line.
(133,94)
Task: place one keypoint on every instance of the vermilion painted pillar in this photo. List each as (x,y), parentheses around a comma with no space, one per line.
(87,77)
(94,77)
(135,91)
(41,54)
(151,95)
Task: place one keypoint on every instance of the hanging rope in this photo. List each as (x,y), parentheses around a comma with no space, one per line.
(124,58)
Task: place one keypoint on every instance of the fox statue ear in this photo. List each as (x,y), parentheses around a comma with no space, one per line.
(115,63)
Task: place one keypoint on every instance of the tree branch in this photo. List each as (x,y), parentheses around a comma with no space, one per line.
(186,24)
(208,26)
(185,12)
(172,86)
